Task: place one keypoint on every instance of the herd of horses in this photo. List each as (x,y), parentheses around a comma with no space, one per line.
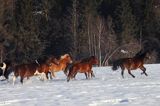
(47,68)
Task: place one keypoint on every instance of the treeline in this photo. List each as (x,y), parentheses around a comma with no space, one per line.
(109,29)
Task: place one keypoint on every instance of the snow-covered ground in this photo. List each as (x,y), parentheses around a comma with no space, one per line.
(107,89)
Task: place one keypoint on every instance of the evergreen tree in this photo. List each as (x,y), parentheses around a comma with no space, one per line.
(27,42)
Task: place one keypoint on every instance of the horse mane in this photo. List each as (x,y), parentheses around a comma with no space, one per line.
(87,59)
(142,53)
(64,56)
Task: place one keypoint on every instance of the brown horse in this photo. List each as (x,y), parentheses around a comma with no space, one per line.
(62,63)
(132,63)
(66,71)
(84,66)
(31,69)
(44,67)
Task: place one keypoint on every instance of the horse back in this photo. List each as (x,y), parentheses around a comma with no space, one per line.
(25,70)
(82,67)
(132,63)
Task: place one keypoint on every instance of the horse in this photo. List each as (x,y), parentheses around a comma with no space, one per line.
(2,68)
(132,63)
(66,71)
(62,64)
(26,70)
(6,69)
(44,66)
(84,66)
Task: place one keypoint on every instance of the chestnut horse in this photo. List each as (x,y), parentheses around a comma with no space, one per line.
(66,71)
(84,66)
(62,63)
(132,63)
(31,69)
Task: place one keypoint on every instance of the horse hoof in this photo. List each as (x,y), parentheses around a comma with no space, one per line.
(146,74)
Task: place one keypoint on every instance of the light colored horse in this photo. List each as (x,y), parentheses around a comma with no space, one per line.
(63,62)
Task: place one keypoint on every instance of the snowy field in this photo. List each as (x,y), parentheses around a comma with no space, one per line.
(107,89)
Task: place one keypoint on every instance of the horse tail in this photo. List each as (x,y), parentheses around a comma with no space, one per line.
(3,67)
(68,67)
(116,64)
(71,73)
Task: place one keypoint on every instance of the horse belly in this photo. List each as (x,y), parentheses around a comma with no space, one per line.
(135,66)
(83,69)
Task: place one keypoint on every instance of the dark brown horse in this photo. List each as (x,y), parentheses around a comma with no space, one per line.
(132,63)
(34,68)
(84,66)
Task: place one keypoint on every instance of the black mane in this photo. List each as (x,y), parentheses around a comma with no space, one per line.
(142,53)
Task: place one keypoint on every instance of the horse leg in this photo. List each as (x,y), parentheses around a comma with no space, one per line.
(92,74)
(69,75)
(14,79)
(27,78)
(144,70)
(50,75)
(89,74)
(68,78)
(46,74)
(21,79)
(65,72)
(122,72)
(129,71)
(53,74)
(86,75)
(74,76)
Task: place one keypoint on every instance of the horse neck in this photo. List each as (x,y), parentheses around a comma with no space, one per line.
(142,56)
(90,62)
(63,62)
(59,66)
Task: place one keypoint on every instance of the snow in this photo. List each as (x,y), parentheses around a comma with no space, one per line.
(107,89)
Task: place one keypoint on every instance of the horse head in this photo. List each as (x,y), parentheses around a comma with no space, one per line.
(145,54)
(93,60)
(66,58)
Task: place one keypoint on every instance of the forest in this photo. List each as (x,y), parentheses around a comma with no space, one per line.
(108,29)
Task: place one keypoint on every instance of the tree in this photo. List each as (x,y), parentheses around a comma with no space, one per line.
(28,46)
(126,26)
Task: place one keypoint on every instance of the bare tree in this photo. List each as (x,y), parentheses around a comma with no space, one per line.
(74,26)
(100,30)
